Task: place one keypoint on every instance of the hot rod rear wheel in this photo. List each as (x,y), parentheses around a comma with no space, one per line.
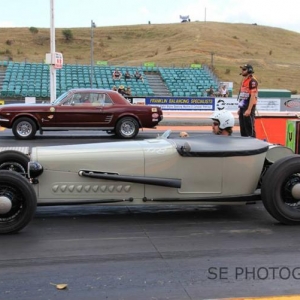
(24,128)
(14,161)
(280,190)
(127,128)
(17,202)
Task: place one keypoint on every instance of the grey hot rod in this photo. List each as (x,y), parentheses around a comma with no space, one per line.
(203,169)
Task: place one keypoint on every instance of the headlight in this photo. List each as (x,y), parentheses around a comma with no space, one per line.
(35,169)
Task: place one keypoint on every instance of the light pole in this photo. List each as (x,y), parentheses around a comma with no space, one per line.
(52,51)
(93,25)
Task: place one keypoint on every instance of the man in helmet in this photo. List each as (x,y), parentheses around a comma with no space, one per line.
(223,121)
(247,101)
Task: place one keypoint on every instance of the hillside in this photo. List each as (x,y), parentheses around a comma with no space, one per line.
(273,52)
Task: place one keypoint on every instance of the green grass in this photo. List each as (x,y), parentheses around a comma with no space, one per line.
(273,52)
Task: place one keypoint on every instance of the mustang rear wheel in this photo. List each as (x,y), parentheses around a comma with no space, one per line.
(24,128)
(17,202)
(127,128)
(14,161)
(281,190)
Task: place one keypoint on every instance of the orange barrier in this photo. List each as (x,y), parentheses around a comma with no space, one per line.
(272,128)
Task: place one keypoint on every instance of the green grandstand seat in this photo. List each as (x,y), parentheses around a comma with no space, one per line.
(37,93)
(24,93)
(44,93)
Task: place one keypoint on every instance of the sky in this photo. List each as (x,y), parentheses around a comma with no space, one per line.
(79,13)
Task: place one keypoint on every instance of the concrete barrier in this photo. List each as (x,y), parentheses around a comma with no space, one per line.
(203,118)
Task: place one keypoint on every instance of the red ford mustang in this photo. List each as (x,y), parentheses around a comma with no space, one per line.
(80,109)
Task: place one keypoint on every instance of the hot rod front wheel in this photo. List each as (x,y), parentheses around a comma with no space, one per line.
(17,202)
(14,161)
(280,190)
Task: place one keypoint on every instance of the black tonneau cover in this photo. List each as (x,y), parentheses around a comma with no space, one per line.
(219,146)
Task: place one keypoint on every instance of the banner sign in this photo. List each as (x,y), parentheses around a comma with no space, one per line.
(149,64)
(263,104)
(186,103)
(209,104)
(268,104)
(290,104)
(140,101)
(196,66)
(101,62)
(58,60)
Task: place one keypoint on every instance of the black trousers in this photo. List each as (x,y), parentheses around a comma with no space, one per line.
(247,124)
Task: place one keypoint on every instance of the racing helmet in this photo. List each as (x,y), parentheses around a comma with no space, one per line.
(225,118)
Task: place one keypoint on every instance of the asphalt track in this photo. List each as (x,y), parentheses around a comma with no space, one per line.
(196,123)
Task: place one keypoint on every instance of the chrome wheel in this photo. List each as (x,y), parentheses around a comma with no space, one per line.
(24,129)
(127,128)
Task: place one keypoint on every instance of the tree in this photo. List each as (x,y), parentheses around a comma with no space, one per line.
(68,35)
(33,30)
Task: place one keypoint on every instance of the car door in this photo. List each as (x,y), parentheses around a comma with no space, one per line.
(82,109)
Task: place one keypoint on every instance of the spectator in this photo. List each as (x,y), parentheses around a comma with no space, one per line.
(121,90)
(128,91)
(138,76)
(127,75)
(114,88)
(247,101)
(210,92)
(223,91)
(117,75)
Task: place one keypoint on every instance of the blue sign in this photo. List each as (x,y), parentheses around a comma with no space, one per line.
(182,103)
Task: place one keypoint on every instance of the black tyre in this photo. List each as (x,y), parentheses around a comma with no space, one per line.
(14,161)
(127,128)
(17,202)
(24,128)
(280,190)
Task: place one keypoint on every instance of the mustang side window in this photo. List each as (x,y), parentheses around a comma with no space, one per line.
(95,99)
(106,100)
(76,99)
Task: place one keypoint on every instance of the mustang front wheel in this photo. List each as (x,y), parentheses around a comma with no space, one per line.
(127,128)
(17,202)
(24,128)
(280,190)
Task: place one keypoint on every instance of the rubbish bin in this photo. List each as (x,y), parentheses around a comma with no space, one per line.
(273,128)
(293,135)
